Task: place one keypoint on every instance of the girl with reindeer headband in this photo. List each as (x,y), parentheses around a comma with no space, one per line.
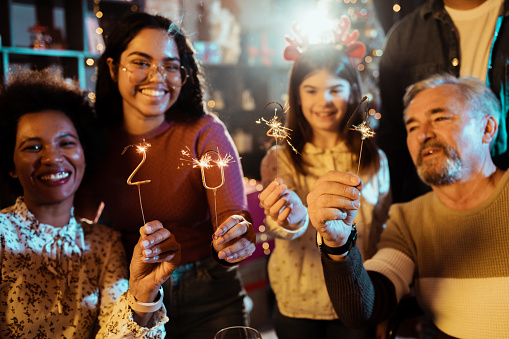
(324,91)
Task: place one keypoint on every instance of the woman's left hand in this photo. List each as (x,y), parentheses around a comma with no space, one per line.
(235,239)
(155,257)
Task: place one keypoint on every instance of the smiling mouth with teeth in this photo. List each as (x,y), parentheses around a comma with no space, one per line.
(324,114)
(153,92)
(54,177)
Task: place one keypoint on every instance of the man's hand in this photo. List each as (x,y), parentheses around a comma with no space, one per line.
(333,204)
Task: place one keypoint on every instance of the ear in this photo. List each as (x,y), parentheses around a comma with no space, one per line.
(13,174)
(113,69)
(490,129)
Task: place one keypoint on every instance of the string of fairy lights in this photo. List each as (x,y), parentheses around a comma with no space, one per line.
(99,46)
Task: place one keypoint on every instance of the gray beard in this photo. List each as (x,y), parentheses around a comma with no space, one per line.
(436,174)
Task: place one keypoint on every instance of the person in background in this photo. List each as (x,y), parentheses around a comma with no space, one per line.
(149,90)
(324,91)
(59,275)
(463,38)
(451,243)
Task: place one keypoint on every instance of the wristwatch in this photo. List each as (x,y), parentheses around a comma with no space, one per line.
(350,242)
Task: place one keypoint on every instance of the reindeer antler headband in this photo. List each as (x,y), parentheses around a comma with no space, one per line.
(341,39)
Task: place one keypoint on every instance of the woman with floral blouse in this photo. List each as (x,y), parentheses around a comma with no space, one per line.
(60,276)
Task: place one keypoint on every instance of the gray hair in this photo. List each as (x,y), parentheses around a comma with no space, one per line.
(479,97)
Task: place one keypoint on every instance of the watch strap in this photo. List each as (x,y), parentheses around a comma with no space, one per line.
(350,242)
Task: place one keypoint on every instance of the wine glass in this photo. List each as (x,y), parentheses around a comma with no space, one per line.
(238,332)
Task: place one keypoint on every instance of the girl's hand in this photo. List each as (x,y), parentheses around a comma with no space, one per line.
(282,204)
(155,257)
(235,239)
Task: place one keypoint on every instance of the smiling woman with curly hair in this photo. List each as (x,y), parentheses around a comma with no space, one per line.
(61,276)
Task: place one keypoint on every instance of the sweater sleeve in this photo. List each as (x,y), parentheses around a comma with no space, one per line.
(122,325)
(115,316)
(360,298)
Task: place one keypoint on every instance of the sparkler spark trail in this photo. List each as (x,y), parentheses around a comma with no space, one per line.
(363,128)
(140,148)
(277,130)
(206,162)
(366,131)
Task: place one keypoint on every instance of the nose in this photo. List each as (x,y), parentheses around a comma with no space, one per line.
(51,156)
(425,132)
(156,69)
(327,96)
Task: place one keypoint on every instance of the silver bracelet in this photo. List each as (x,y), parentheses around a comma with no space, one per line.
(137,306)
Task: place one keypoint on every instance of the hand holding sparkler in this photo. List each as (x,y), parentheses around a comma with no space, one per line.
(234,239)
(141,148)
(333,203)
(155,257)
(283,205)
(363,128)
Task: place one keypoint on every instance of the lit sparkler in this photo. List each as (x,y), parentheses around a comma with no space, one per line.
(206,162)
(277,130)
(363,128)
(140,148)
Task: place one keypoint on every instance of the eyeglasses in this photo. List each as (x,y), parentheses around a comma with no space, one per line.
(139,71)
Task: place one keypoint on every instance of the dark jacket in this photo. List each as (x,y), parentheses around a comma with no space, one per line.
(421,44)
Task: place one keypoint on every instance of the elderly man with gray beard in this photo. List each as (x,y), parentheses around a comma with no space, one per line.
(451,244)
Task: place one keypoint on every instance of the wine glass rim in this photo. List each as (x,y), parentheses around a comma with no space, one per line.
(248,328)
(238,326)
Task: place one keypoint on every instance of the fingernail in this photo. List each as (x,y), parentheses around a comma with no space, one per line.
(233,257)
(145,243)
(146,259)
(353,180)
(148,252)
(221,255)
(356,203)
(148,228)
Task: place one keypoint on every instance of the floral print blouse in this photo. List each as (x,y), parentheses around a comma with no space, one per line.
(64,282)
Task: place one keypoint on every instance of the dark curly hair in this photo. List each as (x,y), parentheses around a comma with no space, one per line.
(189,105)
(28,91)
